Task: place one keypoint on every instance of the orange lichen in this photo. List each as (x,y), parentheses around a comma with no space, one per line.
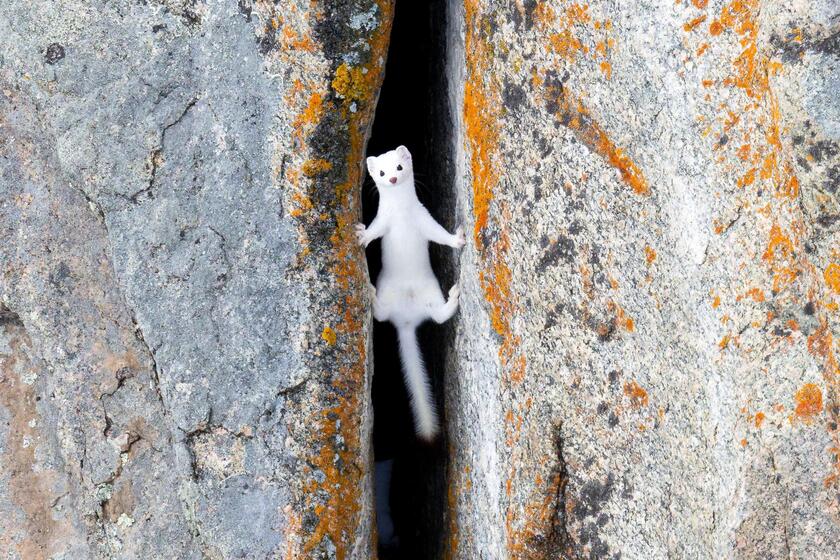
(539,514)
(747,179)
(832,277)
(302,204)
(809,402)
(517,372)
(577,13)
(751,71)
(650,254)
(700,4)
(691,25)
(452,491)
(616,157)
(780,245)
(821,345)
(291,40)
(780,256)
(716,302)
(756,294)
(790,187)
(544,15)
(481,120)
(483,138)
(576,117)
(620,318)
(759,419)
(496,285)
(306,120)
(561,33)
(565,44)
(312,167)
(638,396)
(480,117)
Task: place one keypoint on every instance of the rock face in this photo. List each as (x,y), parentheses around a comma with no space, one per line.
(653,194)
(645,361)
(182,328)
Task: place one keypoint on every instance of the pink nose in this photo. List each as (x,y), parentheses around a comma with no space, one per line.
(393,180)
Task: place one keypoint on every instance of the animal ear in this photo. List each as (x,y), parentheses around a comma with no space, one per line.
(403,151)
(370,161)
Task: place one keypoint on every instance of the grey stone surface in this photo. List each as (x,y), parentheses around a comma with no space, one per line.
(183,330)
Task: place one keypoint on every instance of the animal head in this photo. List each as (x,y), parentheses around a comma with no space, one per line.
(391,169)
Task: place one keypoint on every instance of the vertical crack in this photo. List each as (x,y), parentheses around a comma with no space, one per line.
(156,155)
(92,204)
(786,513)
(155,374)
(418,489)
(559,539)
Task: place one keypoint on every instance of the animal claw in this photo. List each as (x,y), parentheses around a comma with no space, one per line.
(460,237)
(360,234)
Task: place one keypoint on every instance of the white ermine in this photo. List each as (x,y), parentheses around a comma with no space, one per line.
(407,292)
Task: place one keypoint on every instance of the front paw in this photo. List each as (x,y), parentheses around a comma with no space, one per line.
(459,238)
(361,234)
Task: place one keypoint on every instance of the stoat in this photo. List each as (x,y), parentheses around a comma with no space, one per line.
(407,292)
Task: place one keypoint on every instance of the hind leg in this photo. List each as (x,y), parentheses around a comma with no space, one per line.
(381,310)
(443,312)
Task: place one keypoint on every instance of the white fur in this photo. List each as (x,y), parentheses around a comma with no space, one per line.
(407,291)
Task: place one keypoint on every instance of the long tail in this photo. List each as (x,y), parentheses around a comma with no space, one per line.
(422,404)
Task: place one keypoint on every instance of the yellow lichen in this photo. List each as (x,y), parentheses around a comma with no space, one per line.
(329,336)
(349,82)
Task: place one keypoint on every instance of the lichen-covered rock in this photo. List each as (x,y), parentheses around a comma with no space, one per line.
(645,359)
(653,194)
(183,334)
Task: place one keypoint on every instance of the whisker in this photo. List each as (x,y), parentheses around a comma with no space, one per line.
(423,187)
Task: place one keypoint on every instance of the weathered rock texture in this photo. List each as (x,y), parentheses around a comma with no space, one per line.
(182,325)
(654,273)
(645,361)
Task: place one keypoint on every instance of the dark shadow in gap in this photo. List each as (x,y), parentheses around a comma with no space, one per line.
(412,111)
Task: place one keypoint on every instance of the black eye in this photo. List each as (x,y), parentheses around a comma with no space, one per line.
(381,173)
(399,168)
